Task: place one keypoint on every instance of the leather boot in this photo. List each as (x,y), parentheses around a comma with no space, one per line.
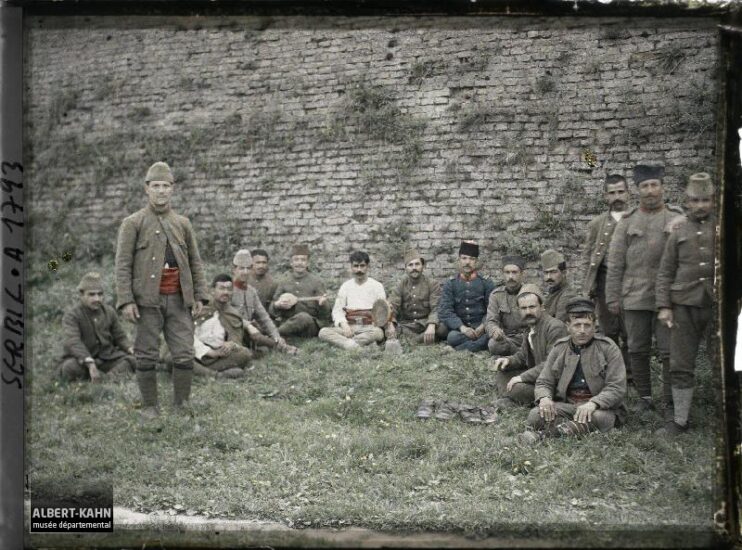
(147,381)
(667,393)
(182,377)
(641,374)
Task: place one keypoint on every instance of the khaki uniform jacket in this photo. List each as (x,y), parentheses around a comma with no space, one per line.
(140,256)
(686,273)
(308,284)
(503,312)
(251,309)
(546,332)
(416,300)
(634,257)
(602,365)
(265,287)
(96,334)
(599,233)
(229,318)
(556,302)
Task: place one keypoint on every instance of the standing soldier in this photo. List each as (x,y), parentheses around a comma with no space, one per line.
(414,302)
(296,315)
(685,293)
(558,290)
(464,300)
(633,259)
(95,344)
(260,279)
(160,286)
(503,324)
(599,233)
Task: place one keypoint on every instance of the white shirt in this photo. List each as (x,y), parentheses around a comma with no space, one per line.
(351,295)
(208,335)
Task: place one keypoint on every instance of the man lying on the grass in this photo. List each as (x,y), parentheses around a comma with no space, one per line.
(218,335)
(583,383)
(245,298)
(353,322)
(517,373)
(95,344)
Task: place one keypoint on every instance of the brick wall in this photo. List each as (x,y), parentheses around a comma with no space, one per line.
(372,133)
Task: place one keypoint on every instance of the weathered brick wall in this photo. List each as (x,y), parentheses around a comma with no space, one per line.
(372,133)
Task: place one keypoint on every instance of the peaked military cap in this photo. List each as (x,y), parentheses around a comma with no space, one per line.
(531,289)
(643,172)
(469,248)
(580,304)
(700,185)
(159,171)
(90,281)
(243,258)
(552,258)
(514,260)
(300,250)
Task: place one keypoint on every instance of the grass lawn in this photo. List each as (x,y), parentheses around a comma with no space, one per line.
(329,438)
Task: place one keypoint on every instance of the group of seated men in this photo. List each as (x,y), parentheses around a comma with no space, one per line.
(544,344)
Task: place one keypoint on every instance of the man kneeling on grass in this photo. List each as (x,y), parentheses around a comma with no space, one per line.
(95,344)
(217,339)
(583,383)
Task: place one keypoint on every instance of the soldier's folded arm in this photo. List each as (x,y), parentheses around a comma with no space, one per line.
(124,263)
(200,288)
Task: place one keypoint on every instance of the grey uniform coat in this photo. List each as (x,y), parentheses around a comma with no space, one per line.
(546,332)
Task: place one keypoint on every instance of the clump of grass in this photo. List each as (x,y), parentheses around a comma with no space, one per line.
(421,70)
(544,84)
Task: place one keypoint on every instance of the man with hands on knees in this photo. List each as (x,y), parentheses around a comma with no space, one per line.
(516,374)
(583,383)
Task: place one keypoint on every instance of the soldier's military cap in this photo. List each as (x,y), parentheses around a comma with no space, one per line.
(243,258)
(159,171)
(700,185)
(643,172)
(531,289)
(412,254)
(514,260)
(551,259)
(580,304)
(469,248)
(90,281)
(300,250)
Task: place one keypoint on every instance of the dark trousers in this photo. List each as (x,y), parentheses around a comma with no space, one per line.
(689,326)
(70,369)
(601,420)
(613,326)
(460,342)
(641,325)
(521,393)
(173,319)
(413,331)
(302,324)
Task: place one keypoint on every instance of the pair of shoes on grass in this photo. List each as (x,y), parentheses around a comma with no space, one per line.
(446,410)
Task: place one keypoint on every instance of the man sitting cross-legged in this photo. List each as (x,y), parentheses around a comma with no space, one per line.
(583,383)
(219,333)
(351,313)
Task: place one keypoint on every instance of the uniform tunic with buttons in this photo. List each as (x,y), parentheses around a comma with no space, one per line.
(305,318)
(555,302)
(685,283)
(251,309)
(93,333)
(265,287)
(503,313)
(234,331)
(599,233)
(416,300)
(464,302)
(634,256)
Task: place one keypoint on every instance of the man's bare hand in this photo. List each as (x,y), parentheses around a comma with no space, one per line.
(284,347)
(547,409)
(614,308)
(347,330)
(584,412)
(497,334)
(94,373)
(322,300)
(513,381)
(131,312)
(665,317)
(429,334)
(478,331)
(501,363)
(130,350)
(197,308)
(468,332)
